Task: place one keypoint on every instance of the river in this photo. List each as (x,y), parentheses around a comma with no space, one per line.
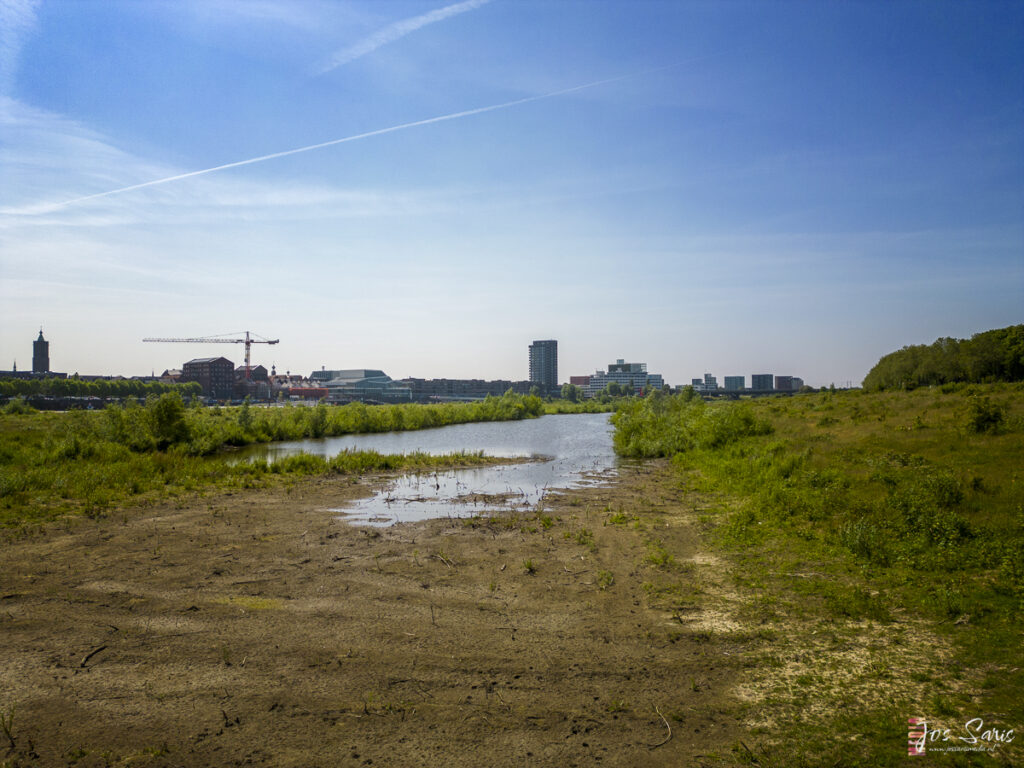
(571,450)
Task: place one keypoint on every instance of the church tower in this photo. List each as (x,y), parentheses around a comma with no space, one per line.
(40,354)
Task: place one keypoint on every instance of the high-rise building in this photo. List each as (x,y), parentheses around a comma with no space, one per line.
(544,363)
(734,383)
(40,354)
(761,382)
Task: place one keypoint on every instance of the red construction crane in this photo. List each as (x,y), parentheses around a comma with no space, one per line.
(249,340)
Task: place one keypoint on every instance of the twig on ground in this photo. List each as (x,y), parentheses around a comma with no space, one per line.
(752,756)
(90,654)
(667,738)
(444,560)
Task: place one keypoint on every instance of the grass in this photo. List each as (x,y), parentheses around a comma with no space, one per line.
(866,525)
(43,479)
(7,724)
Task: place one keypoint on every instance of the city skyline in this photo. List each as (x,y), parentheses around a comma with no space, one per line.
(425,187)
(542,360)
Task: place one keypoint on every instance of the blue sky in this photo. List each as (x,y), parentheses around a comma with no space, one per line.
(793,188)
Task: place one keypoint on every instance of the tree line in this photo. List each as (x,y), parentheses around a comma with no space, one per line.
(72,387)
(996,355)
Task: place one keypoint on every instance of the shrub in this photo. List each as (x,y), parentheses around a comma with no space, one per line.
(18,406)
(985,416)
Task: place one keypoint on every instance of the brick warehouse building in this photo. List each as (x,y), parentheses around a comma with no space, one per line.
(216,375)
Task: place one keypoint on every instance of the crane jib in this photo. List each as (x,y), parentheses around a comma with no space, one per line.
(248,340)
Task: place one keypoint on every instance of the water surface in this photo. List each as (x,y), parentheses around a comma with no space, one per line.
(570,450)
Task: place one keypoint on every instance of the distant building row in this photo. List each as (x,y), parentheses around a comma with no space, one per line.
(759,382)
(221,380)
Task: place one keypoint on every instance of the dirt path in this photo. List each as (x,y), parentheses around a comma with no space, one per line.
(257,629)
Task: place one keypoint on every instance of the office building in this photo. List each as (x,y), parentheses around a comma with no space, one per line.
(632,375)
(708,384)
(784,383)
(761,382)
(544,365)
(735,383)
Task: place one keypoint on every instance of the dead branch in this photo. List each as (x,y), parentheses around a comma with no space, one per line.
(90,654)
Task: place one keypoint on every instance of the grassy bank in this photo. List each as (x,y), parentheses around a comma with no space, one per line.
(897,517)
(86,462)
(583,406)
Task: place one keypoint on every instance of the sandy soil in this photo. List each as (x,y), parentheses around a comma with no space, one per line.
(256,628)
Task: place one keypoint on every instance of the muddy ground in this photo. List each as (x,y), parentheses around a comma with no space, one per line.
(257,628)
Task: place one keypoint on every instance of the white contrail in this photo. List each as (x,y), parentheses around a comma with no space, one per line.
(356,137)
(396,31)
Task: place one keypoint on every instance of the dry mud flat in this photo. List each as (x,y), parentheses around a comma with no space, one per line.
(255,628)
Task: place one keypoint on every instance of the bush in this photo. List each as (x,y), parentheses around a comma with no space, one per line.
(18,406)
(985,416)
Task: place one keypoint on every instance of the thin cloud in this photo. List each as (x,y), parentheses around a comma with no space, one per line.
(17,18)
(396,31)
(50,207)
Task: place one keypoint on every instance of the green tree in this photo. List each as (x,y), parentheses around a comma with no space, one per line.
(572,393)
(169,425)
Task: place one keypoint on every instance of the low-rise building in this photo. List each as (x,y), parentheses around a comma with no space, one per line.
(439,390)
(367,385)
(307,393)
(256,373)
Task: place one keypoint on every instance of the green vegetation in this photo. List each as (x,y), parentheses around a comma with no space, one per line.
(73,387)
(165,423)
(581,406)
(664,425)
(904,509)
(572,393)
(986,357)
(86,462)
